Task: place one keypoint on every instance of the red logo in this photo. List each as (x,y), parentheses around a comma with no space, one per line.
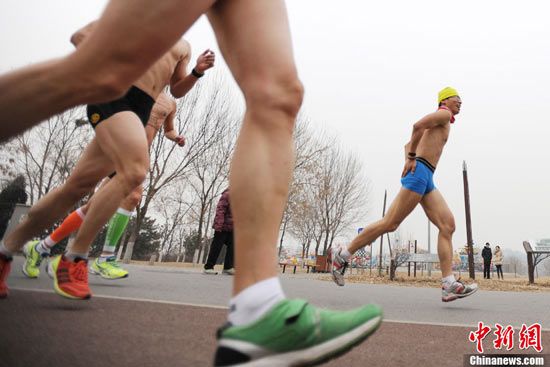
(530,337)
(504,336)
(478,336)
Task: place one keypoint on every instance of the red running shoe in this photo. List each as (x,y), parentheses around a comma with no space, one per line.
(5,266)
(70,279)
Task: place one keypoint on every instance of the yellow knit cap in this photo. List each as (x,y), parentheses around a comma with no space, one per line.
(447,93)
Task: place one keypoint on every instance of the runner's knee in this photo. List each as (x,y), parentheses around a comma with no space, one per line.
(282,94)
(132,176)
(134,198)
(448,228)
(390,225)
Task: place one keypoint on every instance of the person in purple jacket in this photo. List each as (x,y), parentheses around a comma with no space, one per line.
(223,235)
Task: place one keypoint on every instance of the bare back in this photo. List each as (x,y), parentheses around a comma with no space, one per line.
(432,142)
(160,74)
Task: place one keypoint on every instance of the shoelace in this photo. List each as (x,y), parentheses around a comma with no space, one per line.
(80,272)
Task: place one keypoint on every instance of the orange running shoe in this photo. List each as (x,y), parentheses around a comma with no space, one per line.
(5,266)
(70,279)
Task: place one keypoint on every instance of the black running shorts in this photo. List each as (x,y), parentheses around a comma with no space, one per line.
(135,100)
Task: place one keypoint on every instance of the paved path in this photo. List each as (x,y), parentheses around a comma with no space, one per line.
(168,317)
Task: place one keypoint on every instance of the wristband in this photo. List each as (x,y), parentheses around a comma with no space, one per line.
(196,74)
(411,154)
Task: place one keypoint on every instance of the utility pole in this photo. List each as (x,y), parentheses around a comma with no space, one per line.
(382,237)
(429,247)
(468,221)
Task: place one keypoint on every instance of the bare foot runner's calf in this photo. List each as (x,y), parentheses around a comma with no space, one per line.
(120,145)
(162,115)
(264,327)
(422,154)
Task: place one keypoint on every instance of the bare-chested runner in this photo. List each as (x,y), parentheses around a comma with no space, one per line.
(422,154)
(106,265)
(120,146)
(254,37)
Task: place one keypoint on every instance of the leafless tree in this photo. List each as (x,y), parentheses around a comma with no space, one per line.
(203,117)
(47,153)
(341,193)
(298,215)
(173,212)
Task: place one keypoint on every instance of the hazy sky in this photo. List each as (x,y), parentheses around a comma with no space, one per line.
(372,69)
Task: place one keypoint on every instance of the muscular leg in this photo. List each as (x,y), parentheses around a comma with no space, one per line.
(131,36)
(401,207)
(119,221)
(122,139)
(255,40)
(92,166)
(439,214)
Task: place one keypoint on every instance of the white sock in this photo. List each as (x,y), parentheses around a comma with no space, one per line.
(4,251)
(255,301)
(42,247)
(48,242)
(81,213)
(345,253)
(449,280)
(103,258)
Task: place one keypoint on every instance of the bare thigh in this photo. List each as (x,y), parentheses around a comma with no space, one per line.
(131,35)
(403,204)
(437,210)
(92,166)
(254,38)
(122,138)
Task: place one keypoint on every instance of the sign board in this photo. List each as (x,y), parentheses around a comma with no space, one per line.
(422,258)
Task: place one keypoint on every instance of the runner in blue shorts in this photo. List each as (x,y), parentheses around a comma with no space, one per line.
(422,154)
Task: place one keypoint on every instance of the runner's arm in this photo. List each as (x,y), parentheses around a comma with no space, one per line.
(182,82)
(437,118)
(169,130)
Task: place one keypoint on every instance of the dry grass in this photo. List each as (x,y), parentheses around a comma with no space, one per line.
(510,283)
(519,284)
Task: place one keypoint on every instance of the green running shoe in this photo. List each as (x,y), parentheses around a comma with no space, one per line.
(33,259)
(294,333)
(108,269)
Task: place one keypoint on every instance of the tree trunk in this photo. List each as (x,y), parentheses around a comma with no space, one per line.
(199,231)
(282,237)
(130,247)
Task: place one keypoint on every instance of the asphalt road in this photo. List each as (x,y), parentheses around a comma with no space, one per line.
(168,317)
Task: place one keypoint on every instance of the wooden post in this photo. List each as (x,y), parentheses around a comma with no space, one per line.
(415,243)
(382,237)
(530,262)
(468,221)
(409,263)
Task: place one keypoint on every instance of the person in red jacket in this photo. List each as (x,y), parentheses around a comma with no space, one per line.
(223,235)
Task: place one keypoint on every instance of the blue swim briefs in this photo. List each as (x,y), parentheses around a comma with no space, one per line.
(422,180)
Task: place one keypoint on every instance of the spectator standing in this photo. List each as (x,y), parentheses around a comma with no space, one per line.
(498,262)
(223,235)
(487,255)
